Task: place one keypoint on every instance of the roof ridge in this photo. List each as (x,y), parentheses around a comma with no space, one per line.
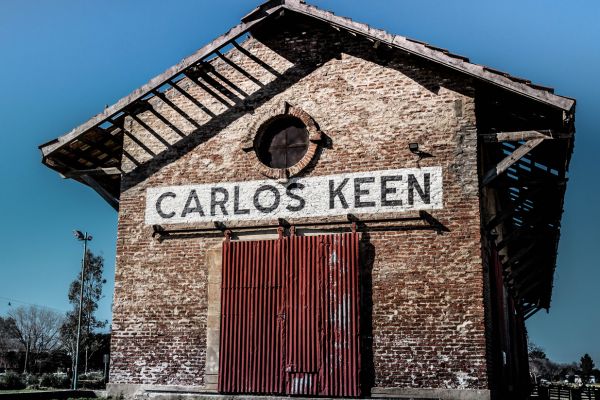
(441,56)
(269,8)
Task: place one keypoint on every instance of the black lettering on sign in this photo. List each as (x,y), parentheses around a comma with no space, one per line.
(159,205)
(385,190)
(293,196)
(214,202)
(337,192)
(188,205)
(276,195)
(236,202)
(424,193)
(358,192)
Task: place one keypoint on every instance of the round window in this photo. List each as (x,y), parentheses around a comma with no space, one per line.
(282,143)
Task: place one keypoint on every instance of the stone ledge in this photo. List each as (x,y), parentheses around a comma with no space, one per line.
(176,392)
(432,393)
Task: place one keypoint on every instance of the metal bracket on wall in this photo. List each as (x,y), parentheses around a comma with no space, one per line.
(350,224)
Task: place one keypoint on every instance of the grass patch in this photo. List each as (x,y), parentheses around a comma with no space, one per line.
(20,391)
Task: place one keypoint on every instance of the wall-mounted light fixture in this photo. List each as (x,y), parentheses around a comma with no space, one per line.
(414,148)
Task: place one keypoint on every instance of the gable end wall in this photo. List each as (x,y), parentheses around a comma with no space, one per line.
(427,288)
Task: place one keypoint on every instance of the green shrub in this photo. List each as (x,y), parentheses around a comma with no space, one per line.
(32,381)
(92,380)
(55,381)
(12,381)
(92,384)
(92,376)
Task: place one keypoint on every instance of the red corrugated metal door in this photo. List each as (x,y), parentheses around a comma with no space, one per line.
(290,316)
(341,362)
(303,325)
(252,317)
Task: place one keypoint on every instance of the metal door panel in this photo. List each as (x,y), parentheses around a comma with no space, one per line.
(290,316)
(252,309)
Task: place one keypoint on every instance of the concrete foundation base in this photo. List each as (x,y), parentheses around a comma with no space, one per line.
(172,392)
(445,394)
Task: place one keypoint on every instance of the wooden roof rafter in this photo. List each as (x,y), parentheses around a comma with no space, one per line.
(264,11)
(198,66)
(530,178)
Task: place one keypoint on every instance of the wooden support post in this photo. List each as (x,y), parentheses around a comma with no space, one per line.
(505,164)
(531,312)
(91,182)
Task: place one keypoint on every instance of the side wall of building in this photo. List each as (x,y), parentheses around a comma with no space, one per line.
(427,326)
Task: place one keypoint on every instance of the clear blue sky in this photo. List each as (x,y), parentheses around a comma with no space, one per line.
(61,61)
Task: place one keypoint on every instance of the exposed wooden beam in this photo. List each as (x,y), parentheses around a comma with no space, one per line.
(402,43)
(158,81)
(523,252)
(111,153)
(530,182)
(529,288)
(531,312)
(499,218)
(94,171)
(177,109)
(532,273)
(509,160)
(168,123)
(523,135)
(239,69)
(516,272)
(150,130)
(213,93)
(85,155)
(106,195)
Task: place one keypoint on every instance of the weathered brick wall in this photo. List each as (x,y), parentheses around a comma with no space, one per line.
(427,288)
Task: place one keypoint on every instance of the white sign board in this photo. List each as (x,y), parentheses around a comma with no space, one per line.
(356,193)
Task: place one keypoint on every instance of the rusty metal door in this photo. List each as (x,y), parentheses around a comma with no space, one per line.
(290,316)
(252,317)
(303,324)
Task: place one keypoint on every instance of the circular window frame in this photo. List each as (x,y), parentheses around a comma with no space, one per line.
(265,133)
(250,142)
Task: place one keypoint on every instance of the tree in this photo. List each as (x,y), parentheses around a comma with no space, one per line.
(6,333)
(37,329)
(536,351)
(587,366)
(92,293)
(9,344)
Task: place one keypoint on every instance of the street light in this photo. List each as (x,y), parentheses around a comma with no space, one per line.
(84,237)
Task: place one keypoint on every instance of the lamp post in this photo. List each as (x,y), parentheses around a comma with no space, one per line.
(84,237)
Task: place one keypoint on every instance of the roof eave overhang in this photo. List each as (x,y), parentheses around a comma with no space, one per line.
(270,8)
(106,182)
(267,9)
(436,55)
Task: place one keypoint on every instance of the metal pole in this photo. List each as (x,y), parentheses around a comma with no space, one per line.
(105,358)
(85,240)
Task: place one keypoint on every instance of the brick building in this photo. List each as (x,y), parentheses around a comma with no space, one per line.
(311,206)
